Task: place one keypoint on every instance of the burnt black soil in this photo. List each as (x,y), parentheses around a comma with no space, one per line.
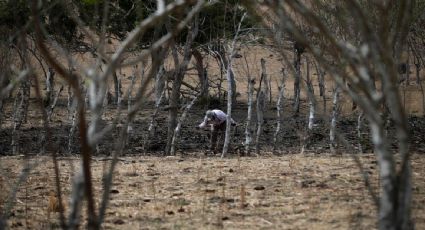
(195,140)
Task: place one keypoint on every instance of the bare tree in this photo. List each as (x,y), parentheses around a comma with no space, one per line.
(248,128)
(298,51)
(202,74)
(97,91)
(279,110)
(334,118)
(231,89)
(359,131)
(312,108)
(261,101)
(265,78)
(419,62)
(176,136)
(322,84)
(179,72)
(374,57)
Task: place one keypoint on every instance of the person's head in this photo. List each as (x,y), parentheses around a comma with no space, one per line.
(210,115)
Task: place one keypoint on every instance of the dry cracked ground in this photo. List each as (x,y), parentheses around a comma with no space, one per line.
(288,192)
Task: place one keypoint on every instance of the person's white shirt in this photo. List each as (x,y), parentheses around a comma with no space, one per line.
(215,117)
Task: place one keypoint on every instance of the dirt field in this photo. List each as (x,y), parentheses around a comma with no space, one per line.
(289,192)
(191,191)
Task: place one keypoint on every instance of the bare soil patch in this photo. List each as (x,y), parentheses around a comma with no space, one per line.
(288,192)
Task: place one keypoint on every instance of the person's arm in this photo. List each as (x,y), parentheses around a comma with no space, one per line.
(233,122)
(204,123)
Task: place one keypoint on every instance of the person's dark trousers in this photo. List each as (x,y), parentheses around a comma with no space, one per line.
(217,130)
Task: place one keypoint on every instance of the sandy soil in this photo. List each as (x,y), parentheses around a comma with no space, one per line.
(289,192)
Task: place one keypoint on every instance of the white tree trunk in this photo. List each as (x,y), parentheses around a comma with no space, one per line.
(176,137)
(387,213)
(71,133)
(279,109)
(50,86)
(97,91)
(53,105)
(180,71)
(248,131)
(260,120)
(312,109)
(322,85)
(265,85)
(359,131)
(298,50)
(231,87)
(375,57)
(159,84)
(130,99)
(230,82)
(335,110)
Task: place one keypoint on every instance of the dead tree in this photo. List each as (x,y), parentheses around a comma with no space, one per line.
(310,93)
(159,94)
(117,89)
(52,106)
(419,62)
(96,89)
(176,137)
(279,109)
(21,104)
(260,120)
(231,89)
(373,58)
(17,121)
(417,59)
(265,84)
(248,129)
(130,96)
(152,124)
(223,59)
(298,51)
(50,86)
(159,84)
(250,98)
(312,108)
(202,74)
(179,73)
(322,84)
(6,85)
(73,114)
(334,118)
(164,42)
(359,131)
(230,92)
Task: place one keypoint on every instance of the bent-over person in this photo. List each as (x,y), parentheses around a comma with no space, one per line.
(217,120)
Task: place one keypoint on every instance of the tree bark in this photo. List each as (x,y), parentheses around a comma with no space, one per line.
(322,85)
(260,120)
(279,109)
(265,84)
(177,82)
(202,74)
(359,131)
(312,109)
(230,92)
(50,86)
(248,129)
(335,111)
(176,137)
(117,88)
(298,50)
